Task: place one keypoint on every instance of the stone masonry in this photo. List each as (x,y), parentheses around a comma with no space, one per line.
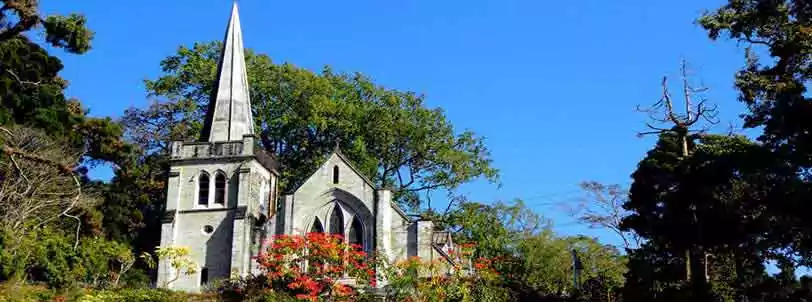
(222,194)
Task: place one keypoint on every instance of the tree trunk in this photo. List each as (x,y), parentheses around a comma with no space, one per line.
(688,267)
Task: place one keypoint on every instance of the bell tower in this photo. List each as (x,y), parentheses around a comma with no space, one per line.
(222,187)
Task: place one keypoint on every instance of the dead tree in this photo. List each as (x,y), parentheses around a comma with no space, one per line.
(38,184)
(697,116)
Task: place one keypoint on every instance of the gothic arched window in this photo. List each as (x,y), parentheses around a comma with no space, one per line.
(220,189)
(356,235)
(317,227)
(337,221)
(203,189)
(335,174)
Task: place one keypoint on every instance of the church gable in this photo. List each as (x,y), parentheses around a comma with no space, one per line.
(337,173)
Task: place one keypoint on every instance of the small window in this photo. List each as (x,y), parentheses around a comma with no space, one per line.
(220,189)
(204,276)
(207,229)
(203,190)
(335,174)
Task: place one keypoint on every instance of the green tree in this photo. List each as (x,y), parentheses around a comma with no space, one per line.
(774,88)
(68,32)
(390,135)
(34,96)
(716,200)
(535,261)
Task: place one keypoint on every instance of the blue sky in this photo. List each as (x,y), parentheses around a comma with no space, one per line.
(552,85)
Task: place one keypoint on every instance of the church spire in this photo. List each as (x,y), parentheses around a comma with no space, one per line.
(229,115)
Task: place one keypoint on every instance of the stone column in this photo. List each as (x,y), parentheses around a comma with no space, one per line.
(287,214)
(241,235)
(169,222)
(383,227)
(425,230)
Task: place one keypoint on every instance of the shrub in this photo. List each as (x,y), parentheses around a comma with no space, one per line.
(464,279)
(315,266)
(20,292)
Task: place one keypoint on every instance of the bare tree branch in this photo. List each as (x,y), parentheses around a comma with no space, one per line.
(17,78)
(38,182)
(696,107)
(602,207)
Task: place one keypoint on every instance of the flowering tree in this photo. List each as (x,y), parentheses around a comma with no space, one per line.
(317,266)
(180,260)
(462,279)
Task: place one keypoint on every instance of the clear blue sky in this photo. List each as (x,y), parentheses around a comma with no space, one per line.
(553,85)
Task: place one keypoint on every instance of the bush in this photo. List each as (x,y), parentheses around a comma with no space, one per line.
(34,293)
(142,295)
(10,292)
(47,255)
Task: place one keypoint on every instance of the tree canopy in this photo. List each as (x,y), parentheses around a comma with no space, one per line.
(390,135)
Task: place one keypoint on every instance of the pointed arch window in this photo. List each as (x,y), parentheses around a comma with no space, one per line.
(356,234)
(337,221)
(220,188)
(317,227)
(335,174)
(203,189)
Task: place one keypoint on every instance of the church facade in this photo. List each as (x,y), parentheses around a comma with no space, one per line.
(223,200)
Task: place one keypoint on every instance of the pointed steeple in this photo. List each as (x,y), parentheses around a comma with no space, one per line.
(229,115)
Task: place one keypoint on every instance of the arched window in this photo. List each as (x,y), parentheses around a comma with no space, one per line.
(335,174)
(337,222)
(220,189)
(317,227)
(203,189)
(356,235)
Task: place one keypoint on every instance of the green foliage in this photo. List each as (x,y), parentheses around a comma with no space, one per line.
(142,295)
(774,88)
(714,201)
(48,256)
(69,32)
(179,258)
(31,94)
(390,135)
(14,292)
(535,261)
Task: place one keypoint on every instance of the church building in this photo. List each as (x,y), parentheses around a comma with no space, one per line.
(223,201)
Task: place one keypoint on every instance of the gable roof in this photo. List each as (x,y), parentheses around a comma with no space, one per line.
(337,152)
(346,161)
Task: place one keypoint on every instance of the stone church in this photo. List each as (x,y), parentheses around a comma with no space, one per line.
(223,201)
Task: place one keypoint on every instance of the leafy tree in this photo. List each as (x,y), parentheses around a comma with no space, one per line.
(68,32)
(179,259)
(464,279)
(34,96)
(774,88)
(714,200)
(535,261)
(390,135)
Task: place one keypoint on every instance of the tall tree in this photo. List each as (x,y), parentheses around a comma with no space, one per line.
(34,96)
(774,88)
(68,32)
(390,135)
(536,261)
(696,111)
(717,201)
